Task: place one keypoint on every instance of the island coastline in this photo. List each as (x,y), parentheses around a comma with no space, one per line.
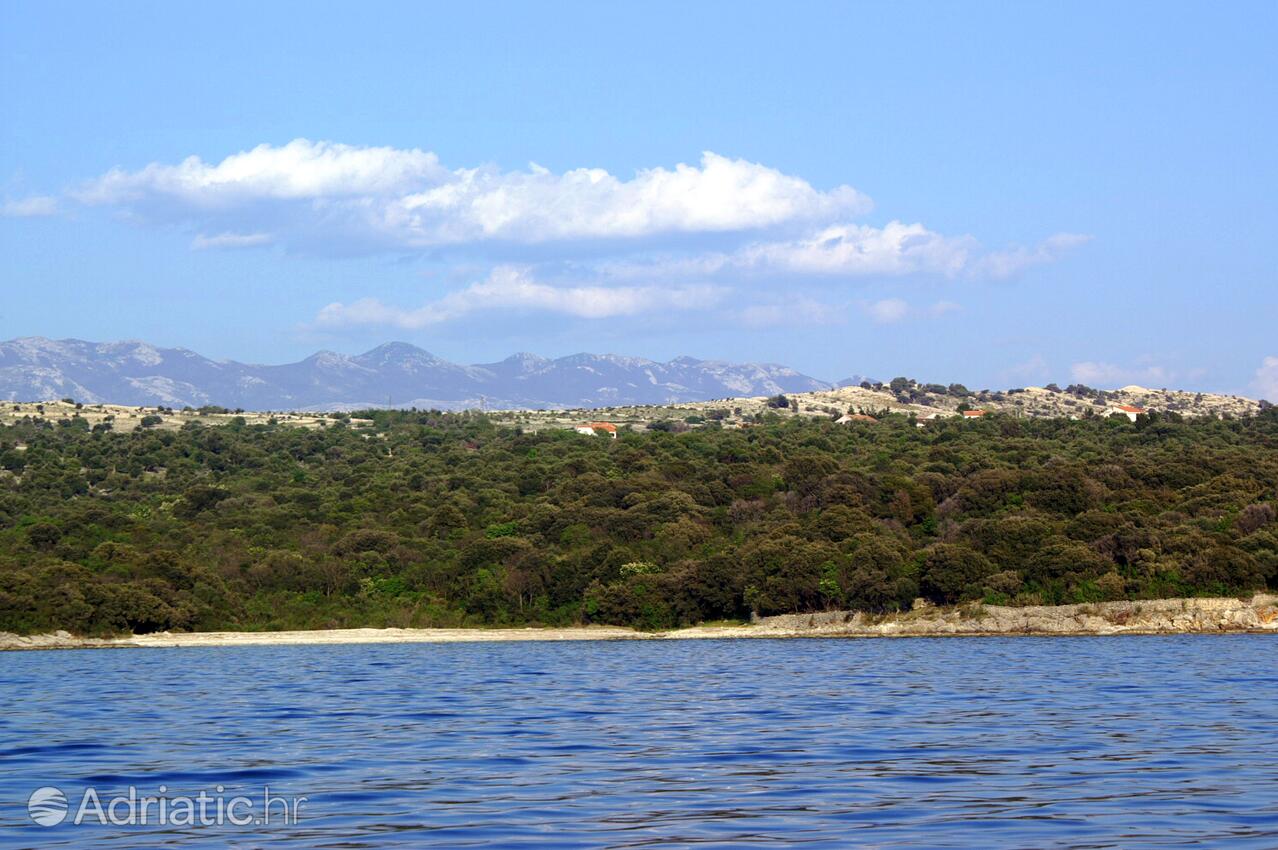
(1259,615)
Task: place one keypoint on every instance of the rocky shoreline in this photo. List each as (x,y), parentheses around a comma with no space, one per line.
(1149,617)
(1157,616)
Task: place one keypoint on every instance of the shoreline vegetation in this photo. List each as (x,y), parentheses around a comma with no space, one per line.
(430,520)
(1259,615)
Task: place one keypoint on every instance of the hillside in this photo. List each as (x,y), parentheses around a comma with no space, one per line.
(912,400)
(437,519)
(1030,402)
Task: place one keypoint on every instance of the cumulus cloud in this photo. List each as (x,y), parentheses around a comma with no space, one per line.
(661,238)
(405,199)
(510,288)
(300,170)
(32,207)
(1266,381)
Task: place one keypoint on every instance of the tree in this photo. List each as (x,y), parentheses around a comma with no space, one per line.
(952,572)
(199,497)
(876,577)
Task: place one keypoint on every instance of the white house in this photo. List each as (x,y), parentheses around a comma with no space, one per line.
(592,429)
(1131,411)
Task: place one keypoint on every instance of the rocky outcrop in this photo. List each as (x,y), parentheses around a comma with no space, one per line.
(57,640)
(1158,616)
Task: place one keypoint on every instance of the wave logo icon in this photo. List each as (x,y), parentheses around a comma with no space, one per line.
(47,806)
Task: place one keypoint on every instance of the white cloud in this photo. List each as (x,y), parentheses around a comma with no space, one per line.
(300,170)
(1032,370)
(1012,261)
(805,310)
(791,311)
(853,250)
(32,207)
(899,249)
(405,199)
(887,311)
(1111,375)
(509,288)
(230,240)
(1266,382)
(850,249)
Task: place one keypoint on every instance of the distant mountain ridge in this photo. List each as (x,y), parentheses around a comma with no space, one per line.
(136,373)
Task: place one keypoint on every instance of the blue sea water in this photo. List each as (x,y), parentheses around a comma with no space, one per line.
(988,742)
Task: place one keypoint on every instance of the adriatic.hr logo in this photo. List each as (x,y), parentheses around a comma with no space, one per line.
(48,806)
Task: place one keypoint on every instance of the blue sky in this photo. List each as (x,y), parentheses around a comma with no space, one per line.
(998,194)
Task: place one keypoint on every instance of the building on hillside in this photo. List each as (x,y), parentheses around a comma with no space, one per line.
(848,418)
(974,414)
(594,428)
(1131,411)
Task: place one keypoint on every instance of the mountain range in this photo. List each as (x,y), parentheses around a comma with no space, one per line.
(396,374)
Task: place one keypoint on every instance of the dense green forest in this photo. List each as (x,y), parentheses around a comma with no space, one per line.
(433,519)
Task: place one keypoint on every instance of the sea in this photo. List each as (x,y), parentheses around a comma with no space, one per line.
(917,742)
